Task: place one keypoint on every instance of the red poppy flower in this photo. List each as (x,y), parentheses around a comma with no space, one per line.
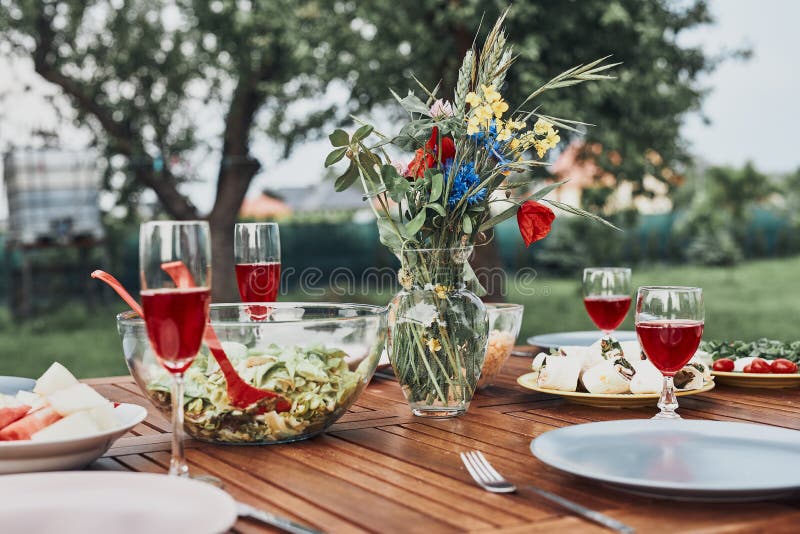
(448,146)
(422,160)
(535,221)
(425,158)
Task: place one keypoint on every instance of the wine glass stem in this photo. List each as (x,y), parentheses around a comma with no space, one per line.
(177,464)
(668,402)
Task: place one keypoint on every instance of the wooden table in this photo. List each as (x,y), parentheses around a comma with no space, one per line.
(380,469)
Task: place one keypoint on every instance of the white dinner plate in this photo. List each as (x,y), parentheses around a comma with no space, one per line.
(112,503)
(28,456)
(684,459)
(584,338)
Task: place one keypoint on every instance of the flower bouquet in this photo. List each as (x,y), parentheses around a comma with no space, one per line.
(470,154)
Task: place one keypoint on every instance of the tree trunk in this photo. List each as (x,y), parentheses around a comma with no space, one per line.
(488,264)
(223,277)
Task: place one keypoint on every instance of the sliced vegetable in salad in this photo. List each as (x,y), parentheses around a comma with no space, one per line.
(764,356)
(316,380)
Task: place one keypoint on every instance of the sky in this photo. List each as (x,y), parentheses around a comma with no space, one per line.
(753,105)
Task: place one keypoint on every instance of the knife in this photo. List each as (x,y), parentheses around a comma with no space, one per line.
(245,510)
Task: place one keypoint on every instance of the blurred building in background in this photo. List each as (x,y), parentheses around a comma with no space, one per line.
(52,197)
(55,233)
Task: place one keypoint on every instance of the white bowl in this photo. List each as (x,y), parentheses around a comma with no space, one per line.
(28,456)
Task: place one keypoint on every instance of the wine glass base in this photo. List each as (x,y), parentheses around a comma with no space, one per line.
(667,415)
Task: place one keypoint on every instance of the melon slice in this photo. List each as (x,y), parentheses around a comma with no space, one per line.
(55,378)
(9,414)
(76,398)
(77,425)
(29,425)
(31,399)
(104,417)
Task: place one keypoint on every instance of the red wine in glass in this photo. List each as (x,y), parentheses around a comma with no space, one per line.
(607,311)
(257,252)
(669,325)
(258,282)
(175,253)
(670,344)
(606,295)
(176,319)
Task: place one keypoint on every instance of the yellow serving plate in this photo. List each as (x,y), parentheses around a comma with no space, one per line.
(617,400)
(758,380)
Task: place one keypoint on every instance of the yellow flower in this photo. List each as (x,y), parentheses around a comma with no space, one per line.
(515,125)
(484,113)
(527,140)
(553,138)
(473,125)
(441,291)
(514,144)
(433,345)
(541,148)
(490,94)
(542,127)
(499,107)
(504,134)
(473,99)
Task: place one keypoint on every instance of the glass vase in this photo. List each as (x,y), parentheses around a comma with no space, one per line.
(437,332)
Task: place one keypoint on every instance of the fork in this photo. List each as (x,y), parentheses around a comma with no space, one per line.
(489,479)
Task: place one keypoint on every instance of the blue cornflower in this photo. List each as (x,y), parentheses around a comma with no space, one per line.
(490,142)
(465,179)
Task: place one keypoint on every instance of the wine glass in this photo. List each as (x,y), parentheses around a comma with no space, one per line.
(607,296)
(669,324)
(257,252)
(175,264)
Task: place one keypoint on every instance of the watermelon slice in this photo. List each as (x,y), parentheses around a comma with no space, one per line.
(9,414)
(29,425)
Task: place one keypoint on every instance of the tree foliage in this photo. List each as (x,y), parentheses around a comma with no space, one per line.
(145,75)
(139,71)
(643,110)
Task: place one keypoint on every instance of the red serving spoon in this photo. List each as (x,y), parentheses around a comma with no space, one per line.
(241,394)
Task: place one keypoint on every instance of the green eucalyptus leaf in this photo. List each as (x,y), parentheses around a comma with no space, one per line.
(437,186)
(335,156)
(367,161)
(413,104)
(466,224)
(362,133)
(339,138)
(347,179)
(472,282)
(438,208)
(415,225)
(388,235)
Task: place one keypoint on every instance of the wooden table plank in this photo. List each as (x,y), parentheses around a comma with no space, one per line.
(380,469)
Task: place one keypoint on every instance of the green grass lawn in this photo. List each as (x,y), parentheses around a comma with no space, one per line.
(755,299)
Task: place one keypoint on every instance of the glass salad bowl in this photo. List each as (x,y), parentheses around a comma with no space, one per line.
(319,357)
(504,324)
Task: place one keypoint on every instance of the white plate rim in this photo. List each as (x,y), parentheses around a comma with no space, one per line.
(757,430)
(139,414)
(708,386)
(532,340)
(226,512)
(773,376)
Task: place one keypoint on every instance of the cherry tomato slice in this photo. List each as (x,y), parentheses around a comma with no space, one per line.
(783,366)
(723,364)
(758,365)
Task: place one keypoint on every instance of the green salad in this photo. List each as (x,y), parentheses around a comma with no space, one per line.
(317,381)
